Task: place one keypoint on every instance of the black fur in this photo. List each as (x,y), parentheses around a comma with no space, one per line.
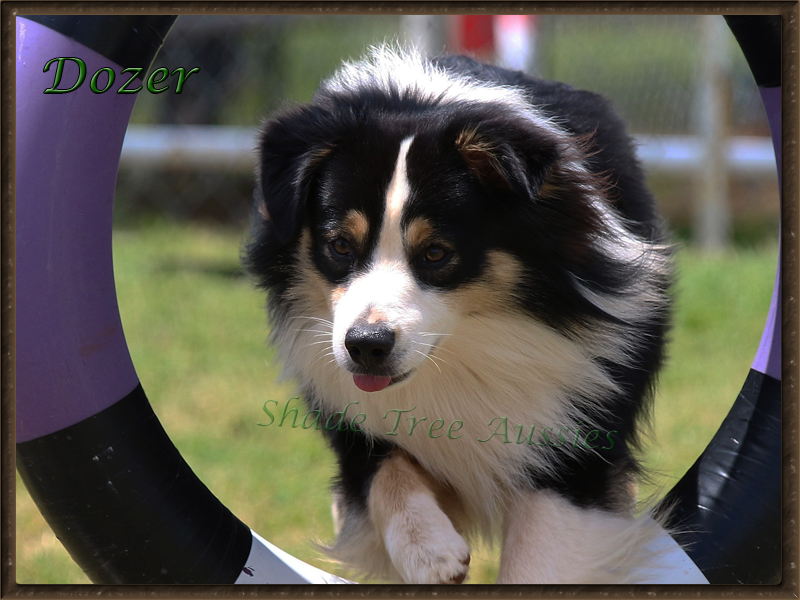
(339,152)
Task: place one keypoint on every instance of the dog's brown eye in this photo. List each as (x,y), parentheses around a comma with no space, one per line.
(435,254)
(341,246)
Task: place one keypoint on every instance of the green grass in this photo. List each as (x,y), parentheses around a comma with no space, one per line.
(722,303)
(196,331)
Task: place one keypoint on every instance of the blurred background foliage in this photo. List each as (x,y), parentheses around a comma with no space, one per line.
(195,325)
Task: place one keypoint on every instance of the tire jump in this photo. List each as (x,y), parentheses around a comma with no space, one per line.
(90,449)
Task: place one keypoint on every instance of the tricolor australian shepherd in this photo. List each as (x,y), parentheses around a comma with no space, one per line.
(468,261)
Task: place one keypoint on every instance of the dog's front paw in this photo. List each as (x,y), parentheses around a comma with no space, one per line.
(424,546)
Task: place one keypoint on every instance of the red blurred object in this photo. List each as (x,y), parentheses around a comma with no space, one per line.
(474,34)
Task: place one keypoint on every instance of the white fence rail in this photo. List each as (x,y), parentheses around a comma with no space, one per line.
(232,149)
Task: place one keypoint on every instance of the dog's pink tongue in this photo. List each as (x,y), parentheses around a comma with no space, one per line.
(371,383)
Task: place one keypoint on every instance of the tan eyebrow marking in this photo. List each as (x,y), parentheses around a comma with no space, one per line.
(418,231)
(357,226)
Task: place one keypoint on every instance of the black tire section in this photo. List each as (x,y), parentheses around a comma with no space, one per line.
(727,508)
(126,506)
(128,40)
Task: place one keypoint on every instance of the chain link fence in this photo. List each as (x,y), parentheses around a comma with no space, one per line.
(251,66)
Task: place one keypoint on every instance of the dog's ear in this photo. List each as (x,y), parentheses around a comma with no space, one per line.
(507,158)
(291,150)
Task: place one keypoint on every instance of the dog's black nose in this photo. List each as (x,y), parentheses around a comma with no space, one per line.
(369,345)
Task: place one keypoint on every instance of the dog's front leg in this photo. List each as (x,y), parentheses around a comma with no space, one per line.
(419,537)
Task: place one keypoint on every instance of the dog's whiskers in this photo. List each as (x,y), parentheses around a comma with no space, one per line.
(312,331)
(439,358)
(322,356)
(433,347)
(323,321)
(430,359)
(319,342)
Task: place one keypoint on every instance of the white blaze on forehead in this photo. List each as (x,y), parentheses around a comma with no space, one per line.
(390,245)
(388,291)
